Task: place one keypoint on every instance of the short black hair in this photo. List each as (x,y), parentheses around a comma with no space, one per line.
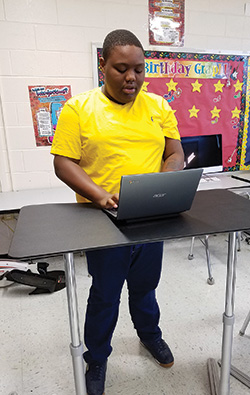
(119,37)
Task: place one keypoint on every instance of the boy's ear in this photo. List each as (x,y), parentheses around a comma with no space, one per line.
(102,64)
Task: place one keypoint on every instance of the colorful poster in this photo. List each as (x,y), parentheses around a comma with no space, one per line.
(207,93)
(166,22)
(46,103)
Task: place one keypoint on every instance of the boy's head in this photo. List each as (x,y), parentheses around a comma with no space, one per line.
(120,37)
(123,65)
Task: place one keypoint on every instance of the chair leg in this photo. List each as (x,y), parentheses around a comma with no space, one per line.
(238,235)
(210,279)
(191,255)
(245,324)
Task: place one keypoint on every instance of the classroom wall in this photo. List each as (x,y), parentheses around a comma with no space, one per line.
(45,42)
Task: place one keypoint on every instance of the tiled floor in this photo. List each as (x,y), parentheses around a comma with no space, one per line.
(35,357)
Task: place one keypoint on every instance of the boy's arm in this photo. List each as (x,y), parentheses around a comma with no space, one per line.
(69,171)
(173,155)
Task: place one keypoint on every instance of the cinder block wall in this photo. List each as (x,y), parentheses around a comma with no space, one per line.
(45,42)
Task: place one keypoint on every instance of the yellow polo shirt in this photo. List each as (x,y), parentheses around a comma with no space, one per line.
(111,139)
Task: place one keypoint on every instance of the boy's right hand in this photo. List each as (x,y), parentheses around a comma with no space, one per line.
(108,201)
(69,171)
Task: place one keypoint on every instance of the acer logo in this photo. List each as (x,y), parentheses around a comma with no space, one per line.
(159,195)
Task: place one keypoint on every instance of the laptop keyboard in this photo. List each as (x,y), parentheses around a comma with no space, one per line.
(113,211)
(208,178)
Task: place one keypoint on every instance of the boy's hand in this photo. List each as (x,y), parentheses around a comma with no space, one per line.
(108,201)
(69,171)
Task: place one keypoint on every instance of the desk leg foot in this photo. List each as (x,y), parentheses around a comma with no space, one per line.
(213,376)
(239,375)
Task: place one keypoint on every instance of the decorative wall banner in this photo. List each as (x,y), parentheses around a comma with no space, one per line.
(166,22)
(207,93)
(46,103)
(160,68)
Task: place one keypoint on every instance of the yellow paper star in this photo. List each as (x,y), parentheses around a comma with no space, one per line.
(145,86)
(238,86)
(215,112)
(235,113)
(193,112)
(196,86)
(218,87)
(171,85)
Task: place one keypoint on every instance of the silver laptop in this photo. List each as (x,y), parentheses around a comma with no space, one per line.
(156,195)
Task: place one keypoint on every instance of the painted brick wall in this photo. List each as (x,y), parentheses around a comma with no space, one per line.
(50,41)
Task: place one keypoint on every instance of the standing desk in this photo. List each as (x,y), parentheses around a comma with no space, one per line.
(44,230)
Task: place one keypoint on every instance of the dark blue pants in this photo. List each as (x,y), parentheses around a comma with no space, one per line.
(140,266)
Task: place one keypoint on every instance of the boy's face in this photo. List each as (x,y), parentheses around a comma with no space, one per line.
(124,72)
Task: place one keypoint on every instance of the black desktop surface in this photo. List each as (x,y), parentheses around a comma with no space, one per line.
(53,229)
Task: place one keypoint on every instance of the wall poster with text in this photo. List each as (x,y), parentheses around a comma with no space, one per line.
(46,103)
(166,22)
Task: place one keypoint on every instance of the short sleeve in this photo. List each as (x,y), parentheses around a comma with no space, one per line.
(170,124)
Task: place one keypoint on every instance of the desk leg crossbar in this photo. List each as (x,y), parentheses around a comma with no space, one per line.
(76,346)
(228,323)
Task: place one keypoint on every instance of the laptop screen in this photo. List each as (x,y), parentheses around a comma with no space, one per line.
(203,152)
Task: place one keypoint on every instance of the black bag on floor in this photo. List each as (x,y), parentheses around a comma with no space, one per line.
(44,281)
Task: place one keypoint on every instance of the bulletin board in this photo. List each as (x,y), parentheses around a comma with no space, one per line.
(209,93)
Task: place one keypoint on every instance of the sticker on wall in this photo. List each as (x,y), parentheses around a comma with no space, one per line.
(166,22)
(46,103)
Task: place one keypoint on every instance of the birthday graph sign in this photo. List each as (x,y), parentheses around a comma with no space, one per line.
(207,93)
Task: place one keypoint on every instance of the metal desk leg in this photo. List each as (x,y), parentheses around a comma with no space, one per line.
(228,323)
(76,346)
(228,317)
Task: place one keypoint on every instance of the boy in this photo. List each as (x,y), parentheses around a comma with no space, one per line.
(101,135)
